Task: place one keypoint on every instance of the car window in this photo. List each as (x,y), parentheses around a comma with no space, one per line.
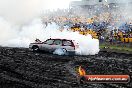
(57,42)
(67,43)
(49,42)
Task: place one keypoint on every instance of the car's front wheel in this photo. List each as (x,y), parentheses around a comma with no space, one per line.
(35,48)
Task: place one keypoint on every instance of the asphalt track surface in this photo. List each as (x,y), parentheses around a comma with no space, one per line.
(21,68)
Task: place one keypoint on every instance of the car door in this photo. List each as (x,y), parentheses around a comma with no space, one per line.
(57,44)
(47,45)
(68,45)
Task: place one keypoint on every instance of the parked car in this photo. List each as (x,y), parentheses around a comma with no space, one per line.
(51,45)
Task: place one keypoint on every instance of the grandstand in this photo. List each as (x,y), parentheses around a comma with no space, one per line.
(85,3)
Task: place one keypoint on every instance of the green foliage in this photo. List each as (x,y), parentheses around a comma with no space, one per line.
(116,47)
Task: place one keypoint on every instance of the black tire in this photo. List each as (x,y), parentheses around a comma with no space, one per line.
(35,49)
(64,50)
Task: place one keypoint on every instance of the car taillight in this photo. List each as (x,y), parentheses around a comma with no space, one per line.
(73,45)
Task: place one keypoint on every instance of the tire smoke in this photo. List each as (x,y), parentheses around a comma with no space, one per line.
(28,33)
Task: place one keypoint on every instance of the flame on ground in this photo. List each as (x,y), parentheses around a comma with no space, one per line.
(81,71)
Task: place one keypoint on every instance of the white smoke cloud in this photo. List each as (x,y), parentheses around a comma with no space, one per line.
(35,29)
(6,31)
(14,14)
(87,45)
(13,37)
(20,11)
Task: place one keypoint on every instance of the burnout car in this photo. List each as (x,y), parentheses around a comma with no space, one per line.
(52,45)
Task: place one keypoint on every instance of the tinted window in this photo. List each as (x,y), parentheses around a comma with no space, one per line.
(57,42)
(67,43)
(49,42)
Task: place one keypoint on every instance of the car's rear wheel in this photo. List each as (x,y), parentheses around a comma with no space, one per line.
(65,51)
(35,48)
